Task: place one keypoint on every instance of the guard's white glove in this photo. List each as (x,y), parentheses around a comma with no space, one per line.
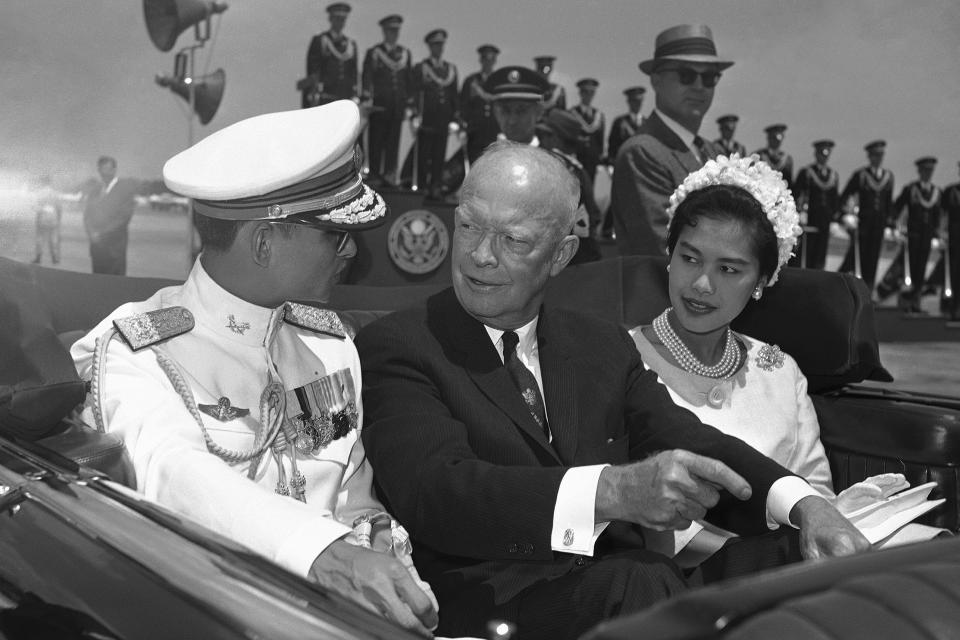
(453,127)
(935,244)
(838,231)
(850,221)
(870,491)
(415,122)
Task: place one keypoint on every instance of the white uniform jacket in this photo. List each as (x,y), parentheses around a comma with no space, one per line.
(232,354)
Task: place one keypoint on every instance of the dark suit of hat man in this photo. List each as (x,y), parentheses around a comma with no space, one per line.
(683,72)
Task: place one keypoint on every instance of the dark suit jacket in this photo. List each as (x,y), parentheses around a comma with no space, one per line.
(649,166)
(458,458)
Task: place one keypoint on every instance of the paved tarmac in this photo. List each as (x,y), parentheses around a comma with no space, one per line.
(158,247)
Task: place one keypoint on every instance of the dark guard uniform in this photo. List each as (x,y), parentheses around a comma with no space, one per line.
(438,103)
(592,126)
(477,106)
(332,61)
(951,208)
(775,156)
(922,201)
(555,97)
(817,188)
(872,189)
(726,145)
(386,84)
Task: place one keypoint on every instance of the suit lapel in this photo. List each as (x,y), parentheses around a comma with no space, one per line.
(559,388)
(658,129)
(469,345)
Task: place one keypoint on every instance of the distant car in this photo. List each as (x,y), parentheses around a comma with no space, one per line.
(166,201)
(85,556)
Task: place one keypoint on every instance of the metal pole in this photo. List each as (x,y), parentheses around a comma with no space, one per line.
(947,282)
(907,280)
(855,238)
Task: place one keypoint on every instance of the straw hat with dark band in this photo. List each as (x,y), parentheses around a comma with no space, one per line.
(685,43)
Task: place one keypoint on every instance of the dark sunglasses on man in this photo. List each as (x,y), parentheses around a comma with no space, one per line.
(688,76)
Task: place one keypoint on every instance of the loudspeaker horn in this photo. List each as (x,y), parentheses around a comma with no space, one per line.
(208,91)
(167,19)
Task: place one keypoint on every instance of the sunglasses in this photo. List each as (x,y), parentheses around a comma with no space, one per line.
(688,76)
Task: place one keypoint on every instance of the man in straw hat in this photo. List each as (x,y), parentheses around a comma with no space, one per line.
(237,394)
(684,72)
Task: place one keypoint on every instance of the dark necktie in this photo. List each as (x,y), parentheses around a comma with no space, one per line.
(701,149)
(525,381)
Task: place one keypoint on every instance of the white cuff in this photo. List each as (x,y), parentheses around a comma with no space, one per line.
(302,545)
(784,494)
(574,530)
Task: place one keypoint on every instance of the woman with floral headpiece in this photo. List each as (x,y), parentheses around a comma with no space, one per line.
(733,226)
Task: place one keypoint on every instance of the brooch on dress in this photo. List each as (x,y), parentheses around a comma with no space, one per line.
(769,357)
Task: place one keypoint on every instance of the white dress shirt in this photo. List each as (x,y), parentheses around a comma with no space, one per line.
(574,528)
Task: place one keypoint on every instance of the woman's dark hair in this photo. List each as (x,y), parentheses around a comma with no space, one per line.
(727,202)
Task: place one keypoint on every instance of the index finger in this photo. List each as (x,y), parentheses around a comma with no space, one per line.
(718,473)
(418,601)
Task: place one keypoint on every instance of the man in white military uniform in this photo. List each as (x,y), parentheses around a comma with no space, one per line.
(238,398)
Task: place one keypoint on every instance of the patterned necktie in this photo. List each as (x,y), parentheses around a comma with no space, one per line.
(526,383)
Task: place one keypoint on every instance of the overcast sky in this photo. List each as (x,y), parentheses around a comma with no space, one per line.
(77,76)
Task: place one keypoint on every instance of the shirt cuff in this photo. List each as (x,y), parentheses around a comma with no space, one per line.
(784,494)
(302,545)
(574,529)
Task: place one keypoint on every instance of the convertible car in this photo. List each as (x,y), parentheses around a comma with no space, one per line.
(83,555)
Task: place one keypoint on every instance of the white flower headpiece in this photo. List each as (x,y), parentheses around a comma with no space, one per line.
(766,185)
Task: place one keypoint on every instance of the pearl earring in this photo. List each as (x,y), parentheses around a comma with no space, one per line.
(757,293)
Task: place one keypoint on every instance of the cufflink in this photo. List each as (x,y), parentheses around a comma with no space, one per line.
(568,537)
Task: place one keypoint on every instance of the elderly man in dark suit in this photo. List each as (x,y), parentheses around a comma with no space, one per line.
(684,71)
(521,446)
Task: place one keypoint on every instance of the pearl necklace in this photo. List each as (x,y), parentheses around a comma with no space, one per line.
(689,362)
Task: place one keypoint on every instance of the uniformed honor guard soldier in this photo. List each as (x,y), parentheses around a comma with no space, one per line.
(725,143)
(517,102)
(386,86)
(437,105)
(870,190)
(237,394)
(817,191)
(477,104)
(592,127)
(774,155)
(625,125)
(331,62)
(921,200)
(622,129)
(556,96)
(951,209)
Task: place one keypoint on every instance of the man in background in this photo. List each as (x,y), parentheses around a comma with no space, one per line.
(517,102)
(726,145)
(108,203)
(437,104)
(49,214)
(592,125)
(870,194)
(386,87)
(625,126)
(817,191)
(684,72)
(555,96)
(331,62)
(477,104)
(774,155)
